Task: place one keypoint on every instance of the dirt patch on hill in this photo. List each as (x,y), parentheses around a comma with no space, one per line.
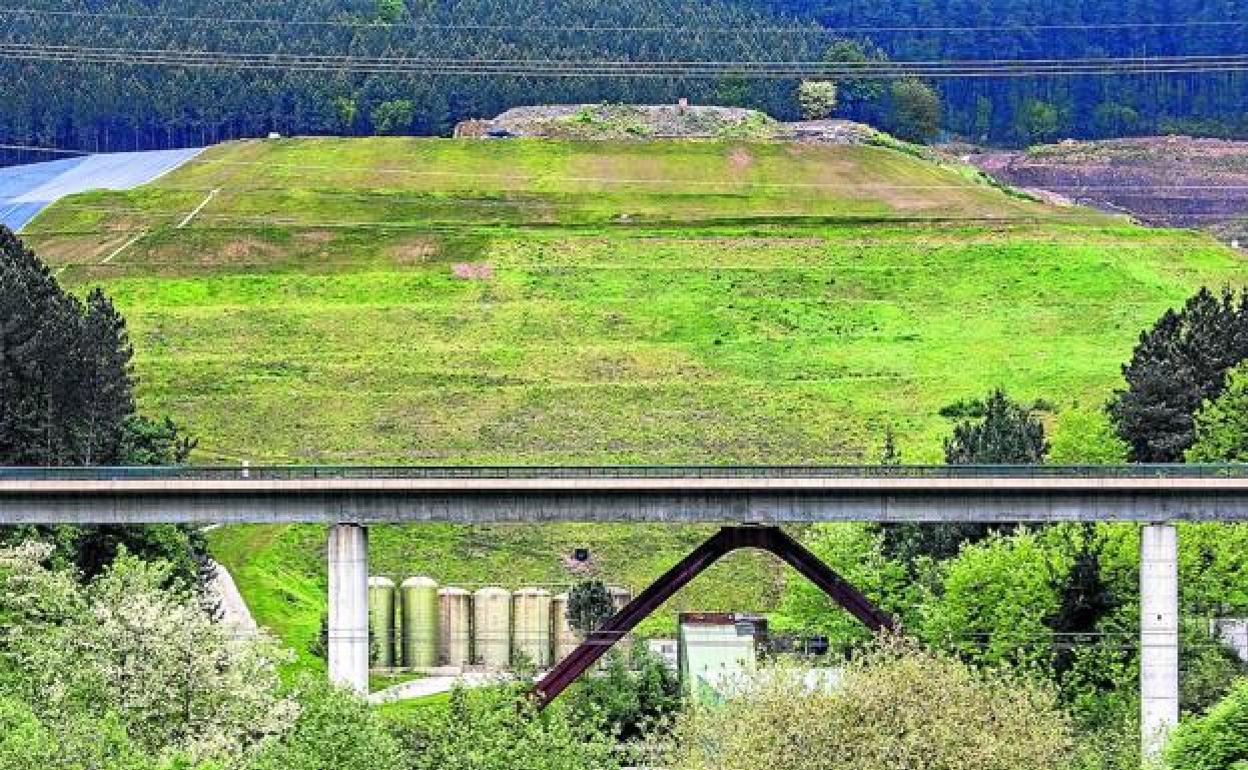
(741,159)
(412,251)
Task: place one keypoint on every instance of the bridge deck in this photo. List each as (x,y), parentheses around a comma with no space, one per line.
(652,493)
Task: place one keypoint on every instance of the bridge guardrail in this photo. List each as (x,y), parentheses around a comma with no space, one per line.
(314,472)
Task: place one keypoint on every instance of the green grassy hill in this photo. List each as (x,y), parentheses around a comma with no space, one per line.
(440,301)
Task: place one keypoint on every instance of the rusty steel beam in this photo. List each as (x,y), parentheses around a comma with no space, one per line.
(727,540)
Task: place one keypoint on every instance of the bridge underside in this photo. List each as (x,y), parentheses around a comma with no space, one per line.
(527,505)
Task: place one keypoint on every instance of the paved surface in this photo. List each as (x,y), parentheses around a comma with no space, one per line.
(710,495)
(26,190)
(234,610)
(431,685)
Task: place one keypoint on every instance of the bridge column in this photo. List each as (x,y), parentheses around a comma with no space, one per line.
(348,606)
(1159,636)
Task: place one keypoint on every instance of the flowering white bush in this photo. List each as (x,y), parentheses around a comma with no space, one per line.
(147,661)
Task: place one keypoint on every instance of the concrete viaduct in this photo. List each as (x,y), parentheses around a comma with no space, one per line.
(347,499)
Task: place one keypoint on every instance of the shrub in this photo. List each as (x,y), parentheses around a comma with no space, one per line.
(336,730)
(816,98)
(1216,741)
(623,702)
(589,605)
(500,729)
(894,706)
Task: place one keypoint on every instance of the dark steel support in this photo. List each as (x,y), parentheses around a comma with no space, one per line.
(729,539)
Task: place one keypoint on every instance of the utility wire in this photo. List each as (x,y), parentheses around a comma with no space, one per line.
(628,69)
(813,29)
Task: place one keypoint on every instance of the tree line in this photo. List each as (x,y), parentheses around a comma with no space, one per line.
(129,107)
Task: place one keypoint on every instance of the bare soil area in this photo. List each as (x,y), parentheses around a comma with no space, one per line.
(1171,181)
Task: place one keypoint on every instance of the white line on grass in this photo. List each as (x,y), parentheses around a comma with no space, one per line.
(123,247)
(198,208)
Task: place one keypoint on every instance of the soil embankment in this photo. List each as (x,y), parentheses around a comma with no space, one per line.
(1173,181)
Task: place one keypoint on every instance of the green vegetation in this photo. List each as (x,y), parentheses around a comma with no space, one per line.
(1221,424)
(1215,741)
(894,706)
(67,398)
(432,301)
(1178,365)
(496,728)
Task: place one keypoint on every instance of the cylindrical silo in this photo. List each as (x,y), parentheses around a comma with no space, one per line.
(563,636)
(532,626)
(420,622)
(381,622)
(491,616)
(455,627)
(620,597)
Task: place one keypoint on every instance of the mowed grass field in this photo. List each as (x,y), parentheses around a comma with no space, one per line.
(451,302)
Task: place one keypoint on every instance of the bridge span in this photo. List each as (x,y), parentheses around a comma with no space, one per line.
(350,498)
(720,494)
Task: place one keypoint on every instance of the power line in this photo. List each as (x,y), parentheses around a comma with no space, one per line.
(620,68)
(812,29)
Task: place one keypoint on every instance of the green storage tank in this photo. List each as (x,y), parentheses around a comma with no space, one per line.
(420,622)
(381,622)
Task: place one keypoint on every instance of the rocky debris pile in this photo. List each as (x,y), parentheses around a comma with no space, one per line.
(830,132)
(674,121)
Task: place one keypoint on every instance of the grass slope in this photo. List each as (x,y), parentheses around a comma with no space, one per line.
(436,301)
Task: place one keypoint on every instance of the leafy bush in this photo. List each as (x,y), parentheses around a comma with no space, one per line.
(589,605)
(895,706)
(856,552)
(624,702)
(499,729)
(336,730)
(1216,741)
(995,599)
(1086,437)
(1222,424)
(816,98)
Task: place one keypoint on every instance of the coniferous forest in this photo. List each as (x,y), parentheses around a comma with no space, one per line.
(109,107)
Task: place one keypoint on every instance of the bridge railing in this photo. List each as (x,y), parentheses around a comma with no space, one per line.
(314,472)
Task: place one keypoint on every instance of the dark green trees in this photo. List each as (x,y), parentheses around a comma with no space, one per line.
(67,398)
(1178,365)
(1005,433)
(1008,434)
(914,111)
(65,376)
(589,604)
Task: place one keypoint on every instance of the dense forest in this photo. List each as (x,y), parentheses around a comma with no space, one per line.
(100,107)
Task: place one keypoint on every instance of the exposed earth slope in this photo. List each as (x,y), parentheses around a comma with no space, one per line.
(527,301)
(1172,181)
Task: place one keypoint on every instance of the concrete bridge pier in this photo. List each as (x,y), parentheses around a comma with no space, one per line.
(348,606)
(1159,636)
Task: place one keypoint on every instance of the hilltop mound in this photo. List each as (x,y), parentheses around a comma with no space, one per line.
(672,121)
